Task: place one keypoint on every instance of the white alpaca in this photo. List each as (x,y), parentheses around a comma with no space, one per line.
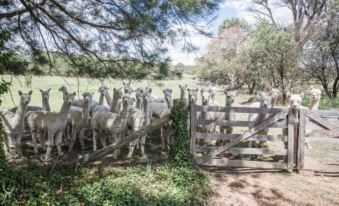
(52,122)
(230,115)
(14,124)
(112,124)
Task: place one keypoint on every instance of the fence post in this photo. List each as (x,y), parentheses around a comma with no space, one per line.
(301,140)
(290,140)
(193,124)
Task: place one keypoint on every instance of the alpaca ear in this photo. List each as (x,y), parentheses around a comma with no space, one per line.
(188,89)
(20,92)
(74,94)
(186,85)
(150,90)
(170,91)
(49,89)
(41,91)
(196,90)
(30,92)
(180,86)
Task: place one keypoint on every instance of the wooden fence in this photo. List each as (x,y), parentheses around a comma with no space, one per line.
(235,153)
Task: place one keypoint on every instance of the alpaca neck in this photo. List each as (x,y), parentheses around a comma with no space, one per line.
(108,98)
(314,105)
(169,103)
(64,108)
(21,110)
(101,99)
(146,113)
(85,110)
(64,94)
(139,104)
(182,95)
(45,105)
(114,106)
(204,112)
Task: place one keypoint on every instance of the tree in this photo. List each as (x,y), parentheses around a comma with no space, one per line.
(322,53)
(233,22)
(272,58)
(222,63)
(306,15)
(115,34)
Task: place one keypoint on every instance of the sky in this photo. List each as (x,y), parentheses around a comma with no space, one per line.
(228,9)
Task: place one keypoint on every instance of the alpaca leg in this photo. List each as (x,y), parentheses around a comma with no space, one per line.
(34,138)
(81,139)
(95,135)
(18,145)
(142,145)
(132,146)
(116,151)
(41,138)
(58,143)
(162,134)
(73,138)
(49,144)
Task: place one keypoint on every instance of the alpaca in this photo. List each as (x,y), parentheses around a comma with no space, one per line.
(14,124)
(158,106)
(229,115)
(139,117)
(315,95)
(41,137)
(257,118)
(213,91)
(113,124)
(79,120)
(52,122)
(165,130)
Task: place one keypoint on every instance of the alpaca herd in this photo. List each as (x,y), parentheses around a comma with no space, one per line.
(82,118)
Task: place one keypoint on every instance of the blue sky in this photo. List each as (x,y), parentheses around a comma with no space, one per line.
(228,9)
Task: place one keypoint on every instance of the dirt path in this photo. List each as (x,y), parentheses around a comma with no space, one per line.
(273,189)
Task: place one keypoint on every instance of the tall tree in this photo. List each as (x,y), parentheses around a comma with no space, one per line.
(321,55)
(306,14)
(114,33)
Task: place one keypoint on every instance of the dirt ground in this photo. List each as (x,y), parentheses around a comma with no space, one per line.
(259,187)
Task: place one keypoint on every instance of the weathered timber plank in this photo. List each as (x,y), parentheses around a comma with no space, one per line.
(218,136)
(281,124)
(322,140)
(327,124)
(312,165)
(244,163)
(301,140)
(124,141)
(290,142)
(317,153)
(325,113)
(193,128)
(253,151)
(240,109)
(269,121)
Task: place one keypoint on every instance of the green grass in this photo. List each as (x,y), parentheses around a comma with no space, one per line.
(139,185)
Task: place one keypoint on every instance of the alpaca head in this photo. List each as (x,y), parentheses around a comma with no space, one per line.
(25,98)
(127,87)
(88,96)
(167,95)
(230,96)
(192,95)
(183,89)
(138,94)
(117,93)
(315,94)
(126,101)
(274,93)
(265,100)
(205,96)
(63,88)
(45,94)
(147,96)
(102,90)
(295,100)
(69,98)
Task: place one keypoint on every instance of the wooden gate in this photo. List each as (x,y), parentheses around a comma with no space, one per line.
(212,155)
(319,130)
